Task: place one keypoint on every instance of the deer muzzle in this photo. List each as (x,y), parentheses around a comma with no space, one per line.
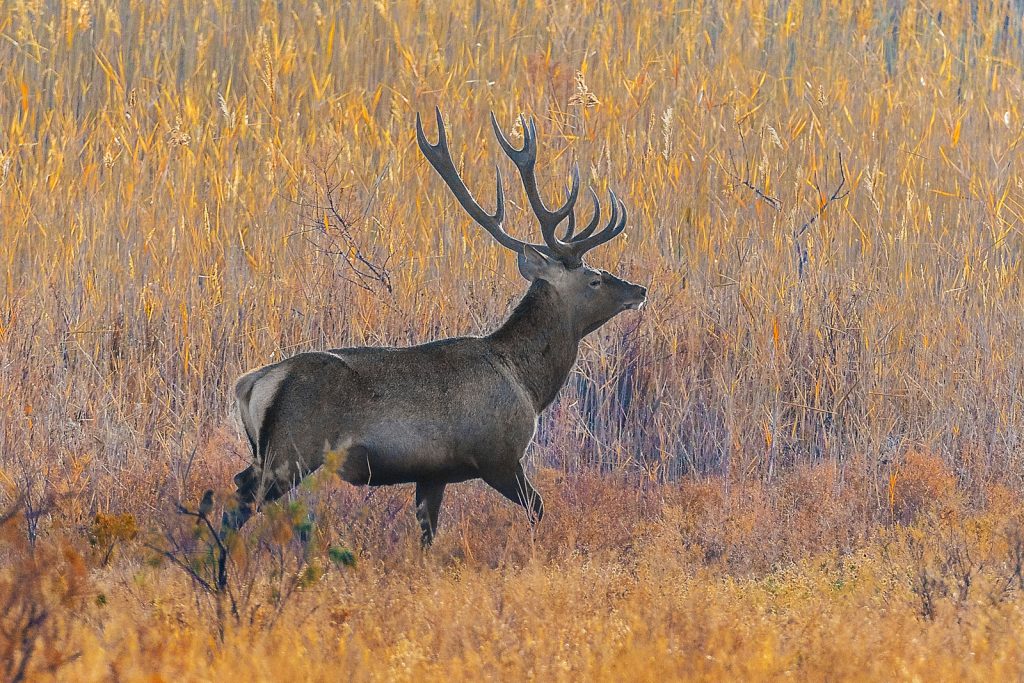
(639,298)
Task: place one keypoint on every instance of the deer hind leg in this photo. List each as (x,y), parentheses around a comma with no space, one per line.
(517,488)
(428,505)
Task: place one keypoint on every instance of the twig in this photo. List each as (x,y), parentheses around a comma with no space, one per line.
(218,588)
(222,573)
(745,182)
(836,195)
(13,509)
(184,567)
(771,201)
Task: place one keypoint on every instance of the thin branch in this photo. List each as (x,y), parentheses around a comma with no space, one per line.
(323,219)
(747,183)
(771,201)
(13,509)
(222,559)
(184,567)
(836,195)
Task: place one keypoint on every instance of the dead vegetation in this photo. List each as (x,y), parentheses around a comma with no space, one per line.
(805,459)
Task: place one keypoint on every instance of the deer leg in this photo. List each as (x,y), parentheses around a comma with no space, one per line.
(428,504)
(517,488)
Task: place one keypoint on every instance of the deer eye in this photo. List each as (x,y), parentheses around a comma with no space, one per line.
(595,283)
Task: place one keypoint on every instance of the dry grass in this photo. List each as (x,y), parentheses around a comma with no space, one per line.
(805,457)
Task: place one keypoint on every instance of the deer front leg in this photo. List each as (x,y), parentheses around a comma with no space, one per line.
(428,504)
(517,488)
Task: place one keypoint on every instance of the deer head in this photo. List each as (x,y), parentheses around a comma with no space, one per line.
(590,296)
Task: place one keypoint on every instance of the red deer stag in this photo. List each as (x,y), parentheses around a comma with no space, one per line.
(450,410)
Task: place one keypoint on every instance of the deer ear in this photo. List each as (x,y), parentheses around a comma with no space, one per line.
(533,265)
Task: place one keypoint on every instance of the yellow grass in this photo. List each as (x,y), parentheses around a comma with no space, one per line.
(803,459)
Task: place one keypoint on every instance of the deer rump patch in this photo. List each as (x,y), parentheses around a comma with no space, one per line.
(254,394)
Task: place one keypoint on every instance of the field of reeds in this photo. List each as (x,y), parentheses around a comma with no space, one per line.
(804,459)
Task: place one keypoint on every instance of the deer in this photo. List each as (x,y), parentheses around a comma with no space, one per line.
(450,410)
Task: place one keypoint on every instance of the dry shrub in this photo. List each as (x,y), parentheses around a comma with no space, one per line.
(752,528)
(920,484)
(41,587)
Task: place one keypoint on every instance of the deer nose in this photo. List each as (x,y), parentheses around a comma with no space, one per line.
(638,299)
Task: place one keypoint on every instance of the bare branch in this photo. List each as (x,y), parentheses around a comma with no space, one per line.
(207,586)
(325,221)
(747,183)
(759,193)
(836,195)
(222,551)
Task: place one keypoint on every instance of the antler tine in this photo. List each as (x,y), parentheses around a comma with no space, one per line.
(525,156)
(570,227)
(594,220)
(525,159)
(570,231)
(616,224)
(440,158)
(442,134)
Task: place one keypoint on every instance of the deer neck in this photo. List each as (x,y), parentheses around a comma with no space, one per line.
(539,342)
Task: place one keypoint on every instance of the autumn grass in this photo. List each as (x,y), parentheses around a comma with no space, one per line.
(803,458)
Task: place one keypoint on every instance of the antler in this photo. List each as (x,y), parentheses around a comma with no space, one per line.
(525,160)
(441,159)
(571,248)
